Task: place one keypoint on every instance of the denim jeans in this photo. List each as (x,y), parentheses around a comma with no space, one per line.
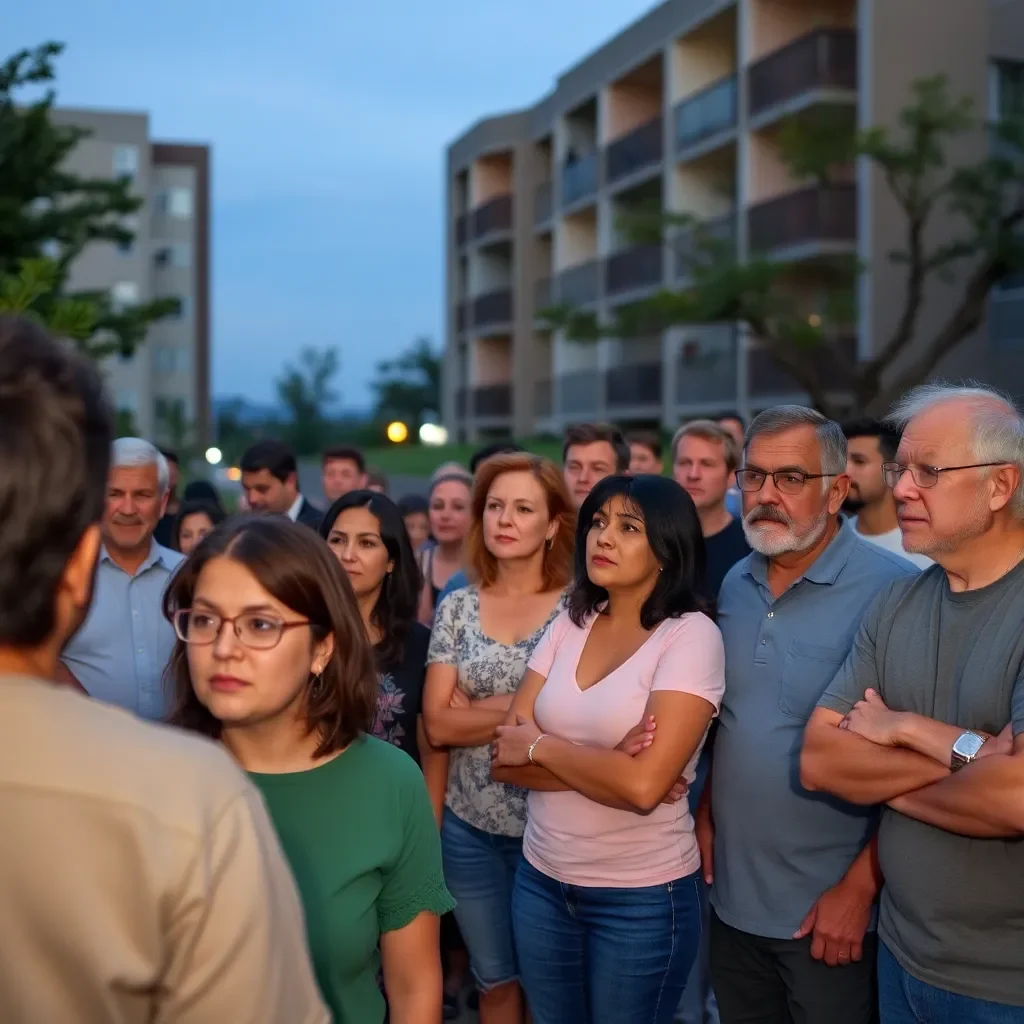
(903,999)
(601,955)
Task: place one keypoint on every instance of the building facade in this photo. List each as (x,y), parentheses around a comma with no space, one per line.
(165,384)
(683,111)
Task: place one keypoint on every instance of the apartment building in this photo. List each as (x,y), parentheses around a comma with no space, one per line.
(166,383)
(683,111)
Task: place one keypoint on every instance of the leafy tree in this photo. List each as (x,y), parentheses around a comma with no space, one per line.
(985,198)
(307,394)
(46,210)
(409,387)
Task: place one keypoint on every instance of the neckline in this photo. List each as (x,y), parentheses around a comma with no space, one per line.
(475,591)
(597,682)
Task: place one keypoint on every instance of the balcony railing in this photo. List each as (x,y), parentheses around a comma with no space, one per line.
(461,316)
(493,308)
(823,59)
(767,377)
(543,294)
(641,148)
(494,215)
(542,405)
(816,214)
(577,392)
(707,370)
(580,284)
(460,403)
(543,203)
(709,112)
(638,267)
(493,400)
(698,241)
(461,228)
(631,385)
(579,179)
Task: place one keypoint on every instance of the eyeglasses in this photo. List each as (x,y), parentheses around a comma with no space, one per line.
(787,481)
(925,476)
(258,631)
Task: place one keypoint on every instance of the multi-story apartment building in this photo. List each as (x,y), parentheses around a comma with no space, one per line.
(683,110)
(166,382)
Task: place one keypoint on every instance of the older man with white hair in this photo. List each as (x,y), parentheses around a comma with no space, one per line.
(926,717)
(119,653)
(793,876)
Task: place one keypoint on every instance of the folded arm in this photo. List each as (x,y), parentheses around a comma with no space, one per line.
(471,725)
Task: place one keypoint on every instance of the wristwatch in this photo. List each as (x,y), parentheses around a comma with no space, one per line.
(965,749)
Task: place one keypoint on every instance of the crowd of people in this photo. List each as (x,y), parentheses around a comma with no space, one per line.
(729,730)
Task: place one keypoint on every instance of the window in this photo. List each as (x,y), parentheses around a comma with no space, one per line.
(174,254)
(127,400)
(126,161)
(124,294)
(171,359)
(179,203)
(184,308)
(1008,91)
(130,224)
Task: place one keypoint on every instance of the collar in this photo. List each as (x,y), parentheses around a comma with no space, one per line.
(155,557)
(293,512)
(826,567)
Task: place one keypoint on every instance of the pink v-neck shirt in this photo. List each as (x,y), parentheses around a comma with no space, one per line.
(574,839)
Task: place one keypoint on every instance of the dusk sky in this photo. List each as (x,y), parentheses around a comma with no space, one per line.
(328,121)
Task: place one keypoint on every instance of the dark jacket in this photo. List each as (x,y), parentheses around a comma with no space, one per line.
(309,515)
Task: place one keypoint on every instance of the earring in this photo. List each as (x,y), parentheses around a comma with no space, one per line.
(316,687)
(549,543)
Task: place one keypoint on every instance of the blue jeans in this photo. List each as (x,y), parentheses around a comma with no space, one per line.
(479,869)
(604,956)
(902,999)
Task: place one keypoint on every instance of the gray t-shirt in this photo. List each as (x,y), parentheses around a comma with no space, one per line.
(952,910)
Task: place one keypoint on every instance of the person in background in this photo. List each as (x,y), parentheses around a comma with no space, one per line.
(520,550)
(203,490)
(605,855)
(645,452)
(273,660)
(165,528)
(270,483)
(129,850)
(704,459)
(450,499)
(869,445)
(343,469)
(415,511)
(737,427)
(376,481)
(195,520)
(590,452)
(119,653)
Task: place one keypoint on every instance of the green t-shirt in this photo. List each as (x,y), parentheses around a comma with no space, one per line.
(361,839)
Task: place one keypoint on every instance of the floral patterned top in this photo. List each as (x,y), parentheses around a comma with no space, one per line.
(400,694)
(485,668)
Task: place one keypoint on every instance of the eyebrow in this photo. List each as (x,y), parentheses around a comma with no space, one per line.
(248,608)
(362,533)
(781,469)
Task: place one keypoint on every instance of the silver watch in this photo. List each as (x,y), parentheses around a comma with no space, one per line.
(965,749)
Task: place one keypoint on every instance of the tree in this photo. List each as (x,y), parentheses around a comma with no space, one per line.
(46,210)
(985,198)
(409,387)
(306,393)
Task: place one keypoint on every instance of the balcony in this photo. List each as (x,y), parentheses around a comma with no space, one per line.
(543,294)
(493,216)
(542,405)
(642,147)
(460,403)
(632,385)
(811,216)
(767,377)
(543,203)
(577,392)
(492,401)
(691,244)
(823,59)
(579,180)
(461,228)
(707,371)
(493,308)
(581,284)
(634,268)
(461,316)
(706,114)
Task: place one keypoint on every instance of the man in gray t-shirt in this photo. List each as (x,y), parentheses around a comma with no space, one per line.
(926,716)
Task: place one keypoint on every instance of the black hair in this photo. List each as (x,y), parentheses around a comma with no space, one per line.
(170,456)
(732,414)
(56,429)
(675,537)
(594,433)
(395,610)
(888,437)
(193,507)
(648,438)
(413,504)
(490,450)
(346,453)
(274,456)
(203,490)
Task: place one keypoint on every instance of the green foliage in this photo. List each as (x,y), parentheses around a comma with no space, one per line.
(306,392)
(409,387)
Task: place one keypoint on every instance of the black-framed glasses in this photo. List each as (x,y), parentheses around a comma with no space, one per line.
(925,476)
(788,481)
(257,630)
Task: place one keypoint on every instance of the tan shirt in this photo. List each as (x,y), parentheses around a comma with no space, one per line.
(140,877)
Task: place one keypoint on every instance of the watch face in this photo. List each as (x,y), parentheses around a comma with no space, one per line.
(969,744)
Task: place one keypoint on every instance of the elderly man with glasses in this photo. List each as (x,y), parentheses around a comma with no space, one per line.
(926,718)
(793,875)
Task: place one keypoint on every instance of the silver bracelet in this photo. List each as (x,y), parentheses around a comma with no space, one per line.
(529,753)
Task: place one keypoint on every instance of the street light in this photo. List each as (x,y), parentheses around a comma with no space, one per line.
(397,432)
(433,434)
(213,456)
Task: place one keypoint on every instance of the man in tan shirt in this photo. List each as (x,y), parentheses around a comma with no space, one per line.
(140,878)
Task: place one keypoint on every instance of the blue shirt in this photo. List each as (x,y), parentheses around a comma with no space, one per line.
(777,846)
(119,653)
(457,581)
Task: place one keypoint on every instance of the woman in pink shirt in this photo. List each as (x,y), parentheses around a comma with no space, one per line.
(606,904)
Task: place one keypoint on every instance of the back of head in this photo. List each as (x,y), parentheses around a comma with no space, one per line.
(595,433)
(272,455)
(55,440)
(202,490)
(490,450)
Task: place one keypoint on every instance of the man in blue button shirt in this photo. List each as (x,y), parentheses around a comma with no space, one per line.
(794,874)
(119,653)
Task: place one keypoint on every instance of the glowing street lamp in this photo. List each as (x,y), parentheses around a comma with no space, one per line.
(397,432)
(214,456)
(433,434)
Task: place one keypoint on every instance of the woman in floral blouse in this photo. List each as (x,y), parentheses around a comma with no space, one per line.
(520,553)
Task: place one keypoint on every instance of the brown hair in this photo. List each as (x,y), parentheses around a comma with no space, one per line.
(648,439)
(557,566)
(708,430)
(296,567)
(593,433)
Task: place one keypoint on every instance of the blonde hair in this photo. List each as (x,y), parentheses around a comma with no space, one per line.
(709,430)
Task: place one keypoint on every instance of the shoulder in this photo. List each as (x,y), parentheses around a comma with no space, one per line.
(418,639)
(879,563)
(733,578)
(694,628)
(171,559)
(389,766)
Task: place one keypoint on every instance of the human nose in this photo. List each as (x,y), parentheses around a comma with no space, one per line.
(769,494)
(226,642)
(906,488)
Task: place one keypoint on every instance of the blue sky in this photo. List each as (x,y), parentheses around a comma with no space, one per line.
(328,120)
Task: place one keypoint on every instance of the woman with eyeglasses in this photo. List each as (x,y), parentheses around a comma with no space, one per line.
(273,660)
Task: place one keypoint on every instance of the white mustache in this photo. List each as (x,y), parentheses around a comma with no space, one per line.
(768,514)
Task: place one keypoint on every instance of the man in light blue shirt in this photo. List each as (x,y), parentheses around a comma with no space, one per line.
(120,652)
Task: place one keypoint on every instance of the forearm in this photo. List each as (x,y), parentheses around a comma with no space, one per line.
(865,873)
(416,1000)
(434,763)
(928,737)
(462,727)
(530,776)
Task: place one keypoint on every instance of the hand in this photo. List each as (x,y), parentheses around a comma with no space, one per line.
(511,747)
(871,719)
(837,923)
(460,699)
(704,830)
(639,738)
(496,702)
(677,792)
(1001,744)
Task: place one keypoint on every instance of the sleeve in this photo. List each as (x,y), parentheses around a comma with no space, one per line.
(859,672)
(236,936)
(442,638)
(543,656)
(413,882)
(693,661)
(1017,707)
